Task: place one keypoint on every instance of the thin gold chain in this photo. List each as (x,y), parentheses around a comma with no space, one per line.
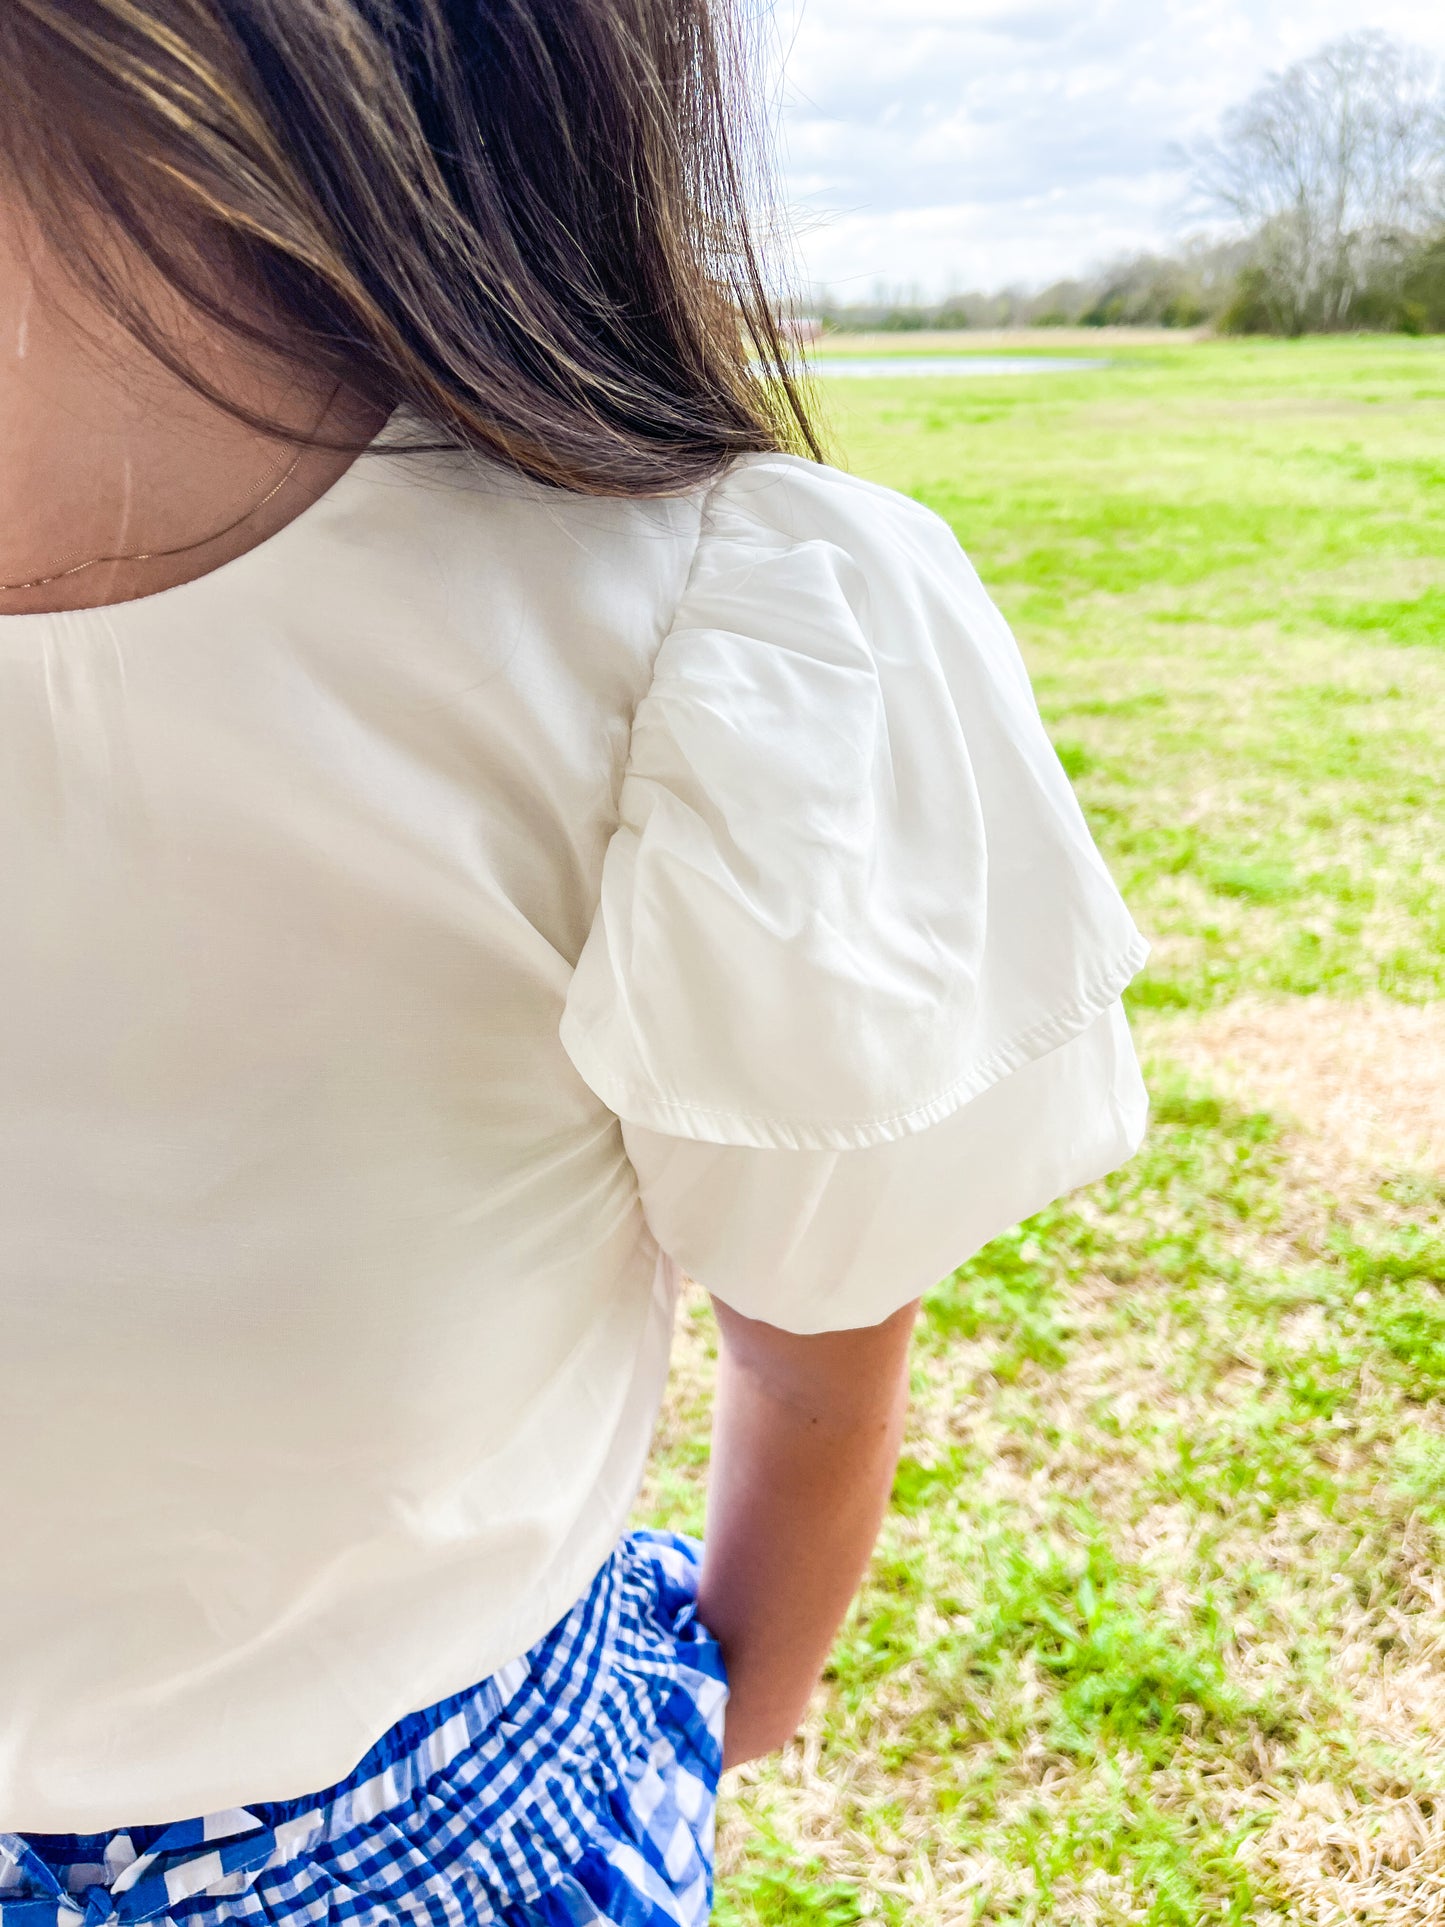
(182,548)
(159,555)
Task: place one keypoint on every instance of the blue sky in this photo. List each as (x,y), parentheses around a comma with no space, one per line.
(973,143)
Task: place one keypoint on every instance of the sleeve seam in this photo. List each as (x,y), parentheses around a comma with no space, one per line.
(704,520)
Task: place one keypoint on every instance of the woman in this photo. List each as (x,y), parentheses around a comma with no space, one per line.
(489,822)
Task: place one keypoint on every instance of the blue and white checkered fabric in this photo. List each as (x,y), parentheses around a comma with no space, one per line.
(575,1787)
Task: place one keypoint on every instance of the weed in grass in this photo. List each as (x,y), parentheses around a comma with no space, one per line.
(918,1485)
(1256,882)
(1007,1295)
(1400,1287)
(1417,1475)
(786,1890)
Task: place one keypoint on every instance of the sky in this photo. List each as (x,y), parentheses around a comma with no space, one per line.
(937,144)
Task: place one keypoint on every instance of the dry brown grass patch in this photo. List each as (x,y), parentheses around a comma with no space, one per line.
(1365,1080)
(1342,1860)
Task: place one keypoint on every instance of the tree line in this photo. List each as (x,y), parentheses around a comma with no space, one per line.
(1326,195)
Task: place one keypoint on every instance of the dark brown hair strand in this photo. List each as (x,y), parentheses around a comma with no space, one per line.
(527,221)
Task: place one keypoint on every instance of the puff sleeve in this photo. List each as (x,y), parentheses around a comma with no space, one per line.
(852,985)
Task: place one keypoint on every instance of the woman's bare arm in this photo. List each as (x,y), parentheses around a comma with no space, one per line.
(806,1433)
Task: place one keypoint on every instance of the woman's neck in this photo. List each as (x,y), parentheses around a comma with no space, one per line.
(104,453)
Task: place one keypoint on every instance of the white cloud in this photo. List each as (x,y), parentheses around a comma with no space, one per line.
(946,142)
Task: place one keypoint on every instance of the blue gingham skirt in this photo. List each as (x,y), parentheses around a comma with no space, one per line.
(575,1787)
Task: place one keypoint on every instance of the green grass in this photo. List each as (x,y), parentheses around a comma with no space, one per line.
(1162,1580)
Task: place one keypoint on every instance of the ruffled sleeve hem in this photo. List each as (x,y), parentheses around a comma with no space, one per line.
(676,1117)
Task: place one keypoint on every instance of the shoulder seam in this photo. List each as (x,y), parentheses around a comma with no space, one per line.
(704,515)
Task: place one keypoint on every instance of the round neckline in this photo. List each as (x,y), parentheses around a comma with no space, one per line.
(108,614)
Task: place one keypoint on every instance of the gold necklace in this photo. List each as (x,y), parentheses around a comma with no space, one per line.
(160,555)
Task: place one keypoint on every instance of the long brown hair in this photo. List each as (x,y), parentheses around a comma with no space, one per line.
(526,220)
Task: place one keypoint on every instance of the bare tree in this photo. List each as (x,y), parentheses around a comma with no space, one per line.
(1336,167)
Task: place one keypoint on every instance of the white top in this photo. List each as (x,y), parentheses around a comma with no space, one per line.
(353,894)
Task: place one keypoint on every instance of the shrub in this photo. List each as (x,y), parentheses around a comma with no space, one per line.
(1249,311)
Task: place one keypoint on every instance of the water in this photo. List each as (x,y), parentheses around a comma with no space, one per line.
(872,368)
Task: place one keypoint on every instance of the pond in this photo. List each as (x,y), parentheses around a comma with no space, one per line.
(873,367)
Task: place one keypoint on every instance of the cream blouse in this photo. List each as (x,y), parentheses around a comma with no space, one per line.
(422,937)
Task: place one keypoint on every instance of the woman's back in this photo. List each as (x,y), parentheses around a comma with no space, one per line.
(325,1280)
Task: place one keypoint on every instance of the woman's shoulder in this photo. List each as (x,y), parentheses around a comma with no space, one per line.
(775,498)
(793,536)
(772,501)
(775,535)
(850,886)
(790,490)
(781,502)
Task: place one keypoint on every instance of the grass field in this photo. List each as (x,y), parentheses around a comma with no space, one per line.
(1156,1631)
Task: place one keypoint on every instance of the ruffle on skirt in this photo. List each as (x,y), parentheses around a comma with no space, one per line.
(575,1788)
